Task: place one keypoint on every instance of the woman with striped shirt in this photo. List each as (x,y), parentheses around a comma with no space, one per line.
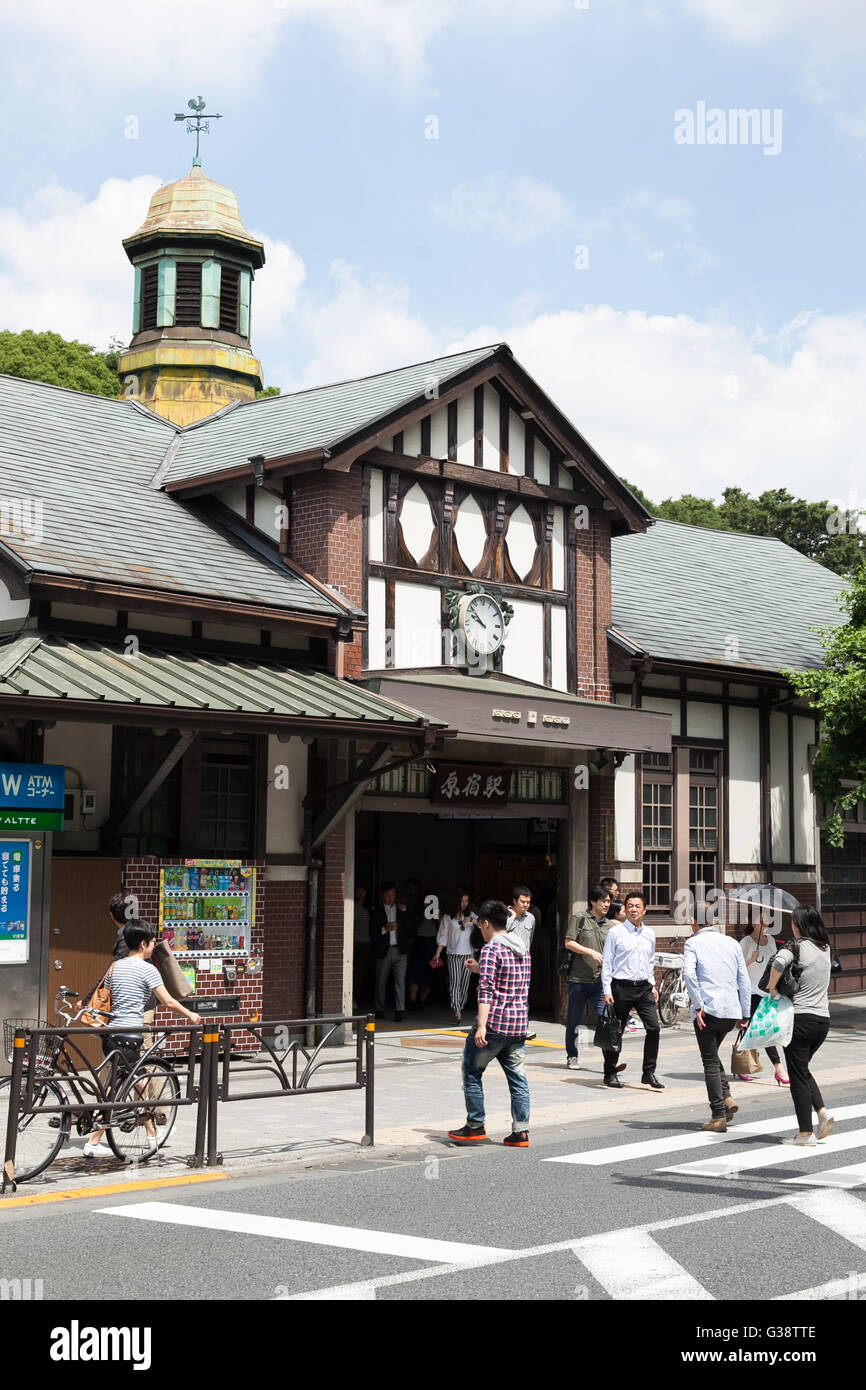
(455,936)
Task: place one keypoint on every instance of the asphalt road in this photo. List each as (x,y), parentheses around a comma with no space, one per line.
(729,1222)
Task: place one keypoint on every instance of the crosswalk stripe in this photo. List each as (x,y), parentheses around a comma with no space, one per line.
(651,1148)
(853,1287)
(838,1211)
(769,1157)
(852,1176)
(310,1232)
(631,1265)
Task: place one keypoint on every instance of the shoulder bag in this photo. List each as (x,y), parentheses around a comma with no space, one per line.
(789,982)
(98,1011)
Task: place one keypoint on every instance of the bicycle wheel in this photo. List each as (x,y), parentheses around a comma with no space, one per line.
(40,1136)
(668,990)
(128,1133)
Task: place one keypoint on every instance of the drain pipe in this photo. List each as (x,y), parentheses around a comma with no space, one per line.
(312,945)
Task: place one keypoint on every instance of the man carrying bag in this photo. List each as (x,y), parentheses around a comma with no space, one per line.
(721,996)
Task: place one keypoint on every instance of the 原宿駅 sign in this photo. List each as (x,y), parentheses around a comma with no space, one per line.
(460,784)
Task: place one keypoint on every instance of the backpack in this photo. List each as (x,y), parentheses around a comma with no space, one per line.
(790,980)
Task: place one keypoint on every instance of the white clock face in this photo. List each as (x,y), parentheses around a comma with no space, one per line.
(483,624)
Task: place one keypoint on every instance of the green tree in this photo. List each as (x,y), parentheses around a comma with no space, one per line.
(267,391)
(838,693)
(694,511)
(641,496)
(59,361)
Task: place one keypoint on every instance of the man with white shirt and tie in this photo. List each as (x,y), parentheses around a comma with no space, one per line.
(628,981)
(721,994)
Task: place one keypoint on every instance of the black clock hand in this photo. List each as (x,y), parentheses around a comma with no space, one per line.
(479,622)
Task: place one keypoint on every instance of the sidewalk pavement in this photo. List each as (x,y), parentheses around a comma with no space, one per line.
(419,1097)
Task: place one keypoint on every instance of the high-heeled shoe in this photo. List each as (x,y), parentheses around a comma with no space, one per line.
(781,1080)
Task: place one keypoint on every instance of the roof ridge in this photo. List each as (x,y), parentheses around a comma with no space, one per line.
(88,395)
(722,531)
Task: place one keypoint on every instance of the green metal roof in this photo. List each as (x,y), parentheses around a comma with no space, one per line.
(318,418)
(689,593)
(90,461)
(45,666)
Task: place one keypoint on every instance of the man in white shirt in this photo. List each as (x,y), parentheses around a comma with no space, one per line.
(521,921)
(629,982)
(720,993)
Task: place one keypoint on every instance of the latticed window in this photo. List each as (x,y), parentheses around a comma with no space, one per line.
(230,293)
(227,801)
(703,817)
(187,303)
(657,832)
(149,295)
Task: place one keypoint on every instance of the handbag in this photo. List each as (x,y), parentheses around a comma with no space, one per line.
(173,977)
(98,1010)
(789,982)
(745,1063)
(608,1031)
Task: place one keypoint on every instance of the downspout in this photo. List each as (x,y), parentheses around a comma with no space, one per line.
(311,943)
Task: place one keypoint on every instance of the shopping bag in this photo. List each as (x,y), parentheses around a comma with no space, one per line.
(608,1031)
(771,1026)
(745,1063)
(173,978)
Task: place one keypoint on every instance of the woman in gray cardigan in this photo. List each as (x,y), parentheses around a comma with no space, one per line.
(811,1020)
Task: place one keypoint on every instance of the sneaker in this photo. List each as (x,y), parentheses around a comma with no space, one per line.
(518,1140)
(530,1036)
(825,1126)
(803,1141)
(92,1150)
(572,1064)
(467,1135)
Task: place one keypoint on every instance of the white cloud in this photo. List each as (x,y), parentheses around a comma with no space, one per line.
(518,210)
(644,218)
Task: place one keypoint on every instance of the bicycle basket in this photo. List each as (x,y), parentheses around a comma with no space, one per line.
(44,1045)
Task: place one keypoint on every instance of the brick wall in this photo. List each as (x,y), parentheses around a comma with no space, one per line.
(592,600)
(326,539)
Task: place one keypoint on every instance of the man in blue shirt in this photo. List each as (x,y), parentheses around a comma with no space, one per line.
(629,982)
(718,985)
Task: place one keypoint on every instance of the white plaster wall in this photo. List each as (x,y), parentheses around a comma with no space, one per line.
(236,498)
(524,646)
(541,459)
(84,749)
(804,806)
(559,648)
(418,625)
(376,620)
(744,786)
(285,813)
(466,429)
(490,451)
(230,632)
(416,522)
(412,440)
(267,507)
(520,540)
(624,811)
(661,706)
(779,798)
(704,721)
(439,433)
(155,622)
(516,444)
(82,613)
(293,641)
(557,549)
(376,521)
(12,610)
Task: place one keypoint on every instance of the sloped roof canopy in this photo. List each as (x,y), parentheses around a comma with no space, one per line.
(334,425)
(47,674)
(194,207)
(689,594)
(90,462)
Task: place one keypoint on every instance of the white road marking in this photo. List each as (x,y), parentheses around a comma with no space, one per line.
(838,1211)
(631,1265)
(852,1176)
(769,1157)
(651,1148)
(310,1232)
(853,1287)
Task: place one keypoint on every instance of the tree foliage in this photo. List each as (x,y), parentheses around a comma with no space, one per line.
(820,530)
(267,391)
(838,693)
(60,361)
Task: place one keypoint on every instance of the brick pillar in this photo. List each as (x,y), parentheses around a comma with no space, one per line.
(326,539)
(593,609)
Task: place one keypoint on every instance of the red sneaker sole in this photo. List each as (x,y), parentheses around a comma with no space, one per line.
(509,1144)
(466,1139)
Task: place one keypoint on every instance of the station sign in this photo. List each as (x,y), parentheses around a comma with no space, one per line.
(460,784)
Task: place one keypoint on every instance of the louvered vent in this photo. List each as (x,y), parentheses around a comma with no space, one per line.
(149,289)
(187,308)
(229,299)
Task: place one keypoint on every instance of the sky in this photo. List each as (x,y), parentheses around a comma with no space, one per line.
(568,176)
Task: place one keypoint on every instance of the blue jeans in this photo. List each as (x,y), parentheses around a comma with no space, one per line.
(578,994)
(508,1052)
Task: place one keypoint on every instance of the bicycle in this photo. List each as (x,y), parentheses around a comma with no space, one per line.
(59,1082)
(673,995)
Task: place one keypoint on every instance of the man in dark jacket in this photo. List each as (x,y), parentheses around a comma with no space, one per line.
(392,929)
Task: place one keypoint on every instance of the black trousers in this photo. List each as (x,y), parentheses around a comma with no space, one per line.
(810,1030)
(710,1039)
(628,996)
(772,1052)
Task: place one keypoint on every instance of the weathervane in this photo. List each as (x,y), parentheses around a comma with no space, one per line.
(197,123)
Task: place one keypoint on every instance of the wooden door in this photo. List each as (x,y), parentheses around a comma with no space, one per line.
(81,932)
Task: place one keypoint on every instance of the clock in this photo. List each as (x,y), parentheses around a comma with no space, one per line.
(482,623)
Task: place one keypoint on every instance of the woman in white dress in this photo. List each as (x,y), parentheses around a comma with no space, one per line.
(455,936)
(758,949)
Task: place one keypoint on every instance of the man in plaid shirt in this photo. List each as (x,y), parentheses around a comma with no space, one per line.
(500,1032)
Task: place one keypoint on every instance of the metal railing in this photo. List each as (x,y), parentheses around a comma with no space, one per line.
(216,1078)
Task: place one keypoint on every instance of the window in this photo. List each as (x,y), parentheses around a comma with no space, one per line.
(657,831)
(230,290)
(187,303)
(227,801)
(149,295)
(527,784)
(703,821)
(137,752)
